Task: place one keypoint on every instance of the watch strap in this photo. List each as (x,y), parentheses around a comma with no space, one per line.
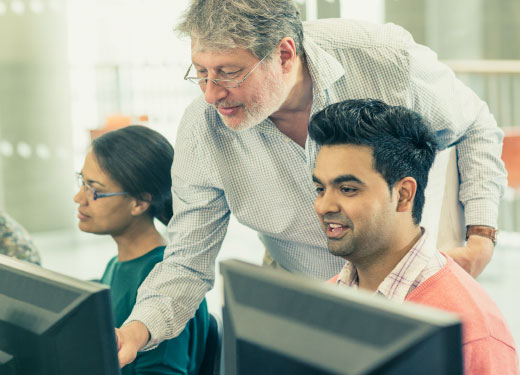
(483,231)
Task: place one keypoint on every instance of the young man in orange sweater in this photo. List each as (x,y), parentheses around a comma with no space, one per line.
(370,177)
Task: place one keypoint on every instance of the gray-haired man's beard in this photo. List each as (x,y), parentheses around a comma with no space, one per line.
(267,100)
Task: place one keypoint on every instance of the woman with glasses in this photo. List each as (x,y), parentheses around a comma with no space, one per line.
(124,184)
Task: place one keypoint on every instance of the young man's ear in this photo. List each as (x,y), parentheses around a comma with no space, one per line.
(287,49)
(141,205)
(406,189)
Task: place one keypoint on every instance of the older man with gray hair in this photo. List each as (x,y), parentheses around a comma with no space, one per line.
(243,147)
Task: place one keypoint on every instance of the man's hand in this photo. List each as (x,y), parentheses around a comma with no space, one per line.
(130,338)
(475,255)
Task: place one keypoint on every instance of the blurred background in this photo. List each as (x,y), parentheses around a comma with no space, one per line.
(71,69)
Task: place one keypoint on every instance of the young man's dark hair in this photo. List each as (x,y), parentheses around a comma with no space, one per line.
(401,141)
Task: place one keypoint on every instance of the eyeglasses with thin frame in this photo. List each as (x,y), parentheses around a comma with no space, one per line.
(227,83)
(92,193)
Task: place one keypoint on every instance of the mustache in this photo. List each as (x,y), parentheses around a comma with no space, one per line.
(224,103)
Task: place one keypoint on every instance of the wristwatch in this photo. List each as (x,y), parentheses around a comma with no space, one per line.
(483,231)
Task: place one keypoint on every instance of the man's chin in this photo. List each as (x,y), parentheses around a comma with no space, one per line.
(237,125)
(338,249)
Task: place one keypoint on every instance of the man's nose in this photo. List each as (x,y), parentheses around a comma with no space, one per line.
(325,203)
(213,92)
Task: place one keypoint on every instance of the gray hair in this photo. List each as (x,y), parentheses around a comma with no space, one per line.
(255,25)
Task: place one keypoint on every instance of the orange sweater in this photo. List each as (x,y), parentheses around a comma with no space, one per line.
(487,344)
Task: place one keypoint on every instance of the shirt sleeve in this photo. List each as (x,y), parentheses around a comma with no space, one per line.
(460,118)
(174,289)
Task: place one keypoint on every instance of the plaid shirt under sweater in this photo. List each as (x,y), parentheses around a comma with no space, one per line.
(421,262)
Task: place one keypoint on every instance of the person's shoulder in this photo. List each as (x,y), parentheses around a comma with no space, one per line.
(144,264)
(15,241)
(156,255)
(453,289)
(111,263)
(9,228)
(349,33)
(108,274)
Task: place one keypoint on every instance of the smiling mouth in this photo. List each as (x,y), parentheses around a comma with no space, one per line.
(336,231)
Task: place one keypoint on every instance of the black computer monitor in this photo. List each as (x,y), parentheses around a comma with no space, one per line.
(280,323)
(52,324)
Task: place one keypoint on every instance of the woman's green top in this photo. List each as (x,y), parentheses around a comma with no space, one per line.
(180,355)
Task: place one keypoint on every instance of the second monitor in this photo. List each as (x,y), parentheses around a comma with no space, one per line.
(280,323)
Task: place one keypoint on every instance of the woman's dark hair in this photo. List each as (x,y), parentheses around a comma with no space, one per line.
(402,141)
(139,159)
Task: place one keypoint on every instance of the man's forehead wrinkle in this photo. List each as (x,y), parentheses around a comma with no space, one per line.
(223,46)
